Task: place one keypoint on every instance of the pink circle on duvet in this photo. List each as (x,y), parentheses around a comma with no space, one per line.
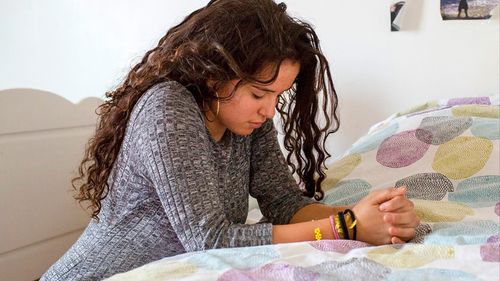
(403,149)
(491,250)
(469,100)
(339,246)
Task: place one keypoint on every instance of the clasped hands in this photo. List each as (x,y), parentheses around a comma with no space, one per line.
(386,216)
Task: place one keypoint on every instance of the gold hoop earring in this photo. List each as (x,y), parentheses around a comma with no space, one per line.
(208,108)
(218,104)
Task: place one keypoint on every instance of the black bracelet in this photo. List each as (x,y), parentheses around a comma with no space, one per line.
(343,225)
(354,222)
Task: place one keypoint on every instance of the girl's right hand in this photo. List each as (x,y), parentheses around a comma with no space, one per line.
(385,216)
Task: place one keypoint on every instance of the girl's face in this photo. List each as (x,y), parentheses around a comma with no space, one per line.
(252,104)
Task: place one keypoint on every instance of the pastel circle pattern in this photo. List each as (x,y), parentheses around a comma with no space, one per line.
(442,128)
(486,128)
(340,169)
(491,250)
(347,192)
(441,211)
(421,231)
(331,270)
(469,100)
(428,186)
(403,149)
(462,157)
(460,232)
(434,274)
(419,108)
(338,246)
(477,192)
(278,272)
(231,257)
(343,270)
(375,139)
(162,271)
(486,111)
(410,255)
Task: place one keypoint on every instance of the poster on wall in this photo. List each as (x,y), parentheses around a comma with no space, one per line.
(397,12)
(467,9)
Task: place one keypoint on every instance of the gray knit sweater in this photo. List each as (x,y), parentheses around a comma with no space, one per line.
(175,190)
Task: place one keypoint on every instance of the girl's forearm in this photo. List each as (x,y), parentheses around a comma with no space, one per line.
(316,211)
(303,231)
(308,224)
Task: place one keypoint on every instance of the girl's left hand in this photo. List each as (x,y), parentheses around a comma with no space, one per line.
(399,212)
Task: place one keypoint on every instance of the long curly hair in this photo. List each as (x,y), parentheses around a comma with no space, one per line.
(226,40)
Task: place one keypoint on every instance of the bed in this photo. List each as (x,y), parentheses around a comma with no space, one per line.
(42,140)
(445,151)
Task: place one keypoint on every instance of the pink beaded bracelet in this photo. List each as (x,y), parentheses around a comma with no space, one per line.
(334,229)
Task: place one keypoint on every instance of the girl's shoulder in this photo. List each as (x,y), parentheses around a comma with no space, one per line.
(170,93)
(170,99)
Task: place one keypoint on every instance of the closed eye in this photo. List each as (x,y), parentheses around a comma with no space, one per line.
(257,96)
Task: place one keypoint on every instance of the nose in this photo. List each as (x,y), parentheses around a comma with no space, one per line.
(268,108)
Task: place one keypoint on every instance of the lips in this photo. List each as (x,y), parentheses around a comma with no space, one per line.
(256,125)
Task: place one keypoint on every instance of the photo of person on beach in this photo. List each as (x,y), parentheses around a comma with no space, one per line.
(467,9)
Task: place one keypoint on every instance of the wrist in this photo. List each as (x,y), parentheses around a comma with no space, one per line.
(351,222)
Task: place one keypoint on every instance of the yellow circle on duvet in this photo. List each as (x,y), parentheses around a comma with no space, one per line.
(441,211)
(339,170)
(159,270)
(462,156)
(410,256)
(488,111)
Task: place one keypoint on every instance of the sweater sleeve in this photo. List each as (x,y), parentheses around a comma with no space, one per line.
(271,182)
(177,156)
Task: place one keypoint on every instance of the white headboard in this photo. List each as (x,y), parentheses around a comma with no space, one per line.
(42,140)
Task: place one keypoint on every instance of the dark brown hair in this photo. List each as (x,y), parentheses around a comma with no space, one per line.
(226,40)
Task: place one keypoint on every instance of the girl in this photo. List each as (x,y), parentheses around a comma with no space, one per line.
(189,135)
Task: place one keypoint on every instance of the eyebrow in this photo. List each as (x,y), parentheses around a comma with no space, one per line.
(269,90)
(263,89)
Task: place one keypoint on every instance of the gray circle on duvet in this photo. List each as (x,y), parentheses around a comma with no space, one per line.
(421,231)
(442,128)
(426,186)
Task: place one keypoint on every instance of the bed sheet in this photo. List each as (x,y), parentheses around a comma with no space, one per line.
(447,154)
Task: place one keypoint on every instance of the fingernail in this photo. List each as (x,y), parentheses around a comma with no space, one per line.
(383,207)
(401,189)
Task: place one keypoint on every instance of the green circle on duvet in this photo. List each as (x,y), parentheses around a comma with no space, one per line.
(477,192)
(347,192)
(486,128)
(436,274)
(221,259)
(372,141)
(463,233)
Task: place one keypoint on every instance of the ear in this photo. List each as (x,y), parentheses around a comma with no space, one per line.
(217,86)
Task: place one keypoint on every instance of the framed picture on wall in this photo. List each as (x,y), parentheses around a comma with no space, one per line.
(467,9)
(397,11)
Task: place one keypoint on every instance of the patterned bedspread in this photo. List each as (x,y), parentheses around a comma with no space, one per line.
(446,152)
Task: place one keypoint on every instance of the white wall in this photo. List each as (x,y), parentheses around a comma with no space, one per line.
(80,48)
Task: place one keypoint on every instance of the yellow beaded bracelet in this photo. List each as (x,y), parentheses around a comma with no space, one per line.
(317,233)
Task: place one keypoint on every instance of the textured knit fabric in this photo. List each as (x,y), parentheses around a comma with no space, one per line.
(174,189)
